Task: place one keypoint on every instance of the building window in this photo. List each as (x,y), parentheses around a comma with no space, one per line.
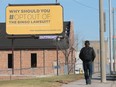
(33,60)
(10,61)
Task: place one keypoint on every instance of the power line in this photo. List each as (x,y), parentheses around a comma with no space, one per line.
(77,2)
(85,5)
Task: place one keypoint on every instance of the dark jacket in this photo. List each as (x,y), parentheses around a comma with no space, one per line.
(87,54)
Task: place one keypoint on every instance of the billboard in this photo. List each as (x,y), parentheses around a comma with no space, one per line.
(41,19)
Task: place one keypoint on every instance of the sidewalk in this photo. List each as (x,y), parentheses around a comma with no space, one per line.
(96,82)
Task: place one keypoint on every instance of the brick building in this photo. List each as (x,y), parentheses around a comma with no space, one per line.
(36,55)
(96,46)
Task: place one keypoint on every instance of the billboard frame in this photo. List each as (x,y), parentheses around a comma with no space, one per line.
(54,4)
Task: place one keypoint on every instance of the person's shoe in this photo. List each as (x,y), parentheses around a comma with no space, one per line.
(89,81)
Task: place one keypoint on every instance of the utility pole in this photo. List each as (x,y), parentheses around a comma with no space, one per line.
(114,42)
(102,50)
(110,37)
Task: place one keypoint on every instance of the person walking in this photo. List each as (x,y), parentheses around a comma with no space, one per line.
(87,55)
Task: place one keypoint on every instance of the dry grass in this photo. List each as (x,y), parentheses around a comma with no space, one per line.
(55,81)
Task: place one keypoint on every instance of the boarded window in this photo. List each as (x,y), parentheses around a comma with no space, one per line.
(10,61)
(33,60)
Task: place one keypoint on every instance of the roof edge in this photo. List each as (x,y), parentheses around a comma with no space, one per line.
(34,4)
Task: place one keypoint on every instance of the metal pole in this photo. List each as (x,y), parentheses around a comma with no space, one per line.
(56,1)
(12,56)
(98,61)
(110,37)
(102,55)
(44,62)
(57,54)
(20,62)
(114,42)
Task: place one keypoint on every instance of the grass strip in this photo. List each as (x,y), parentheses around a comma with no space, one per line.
(54,81)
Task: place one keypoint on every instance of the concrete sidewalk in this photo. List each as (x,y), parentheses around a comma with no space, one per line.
(96,82)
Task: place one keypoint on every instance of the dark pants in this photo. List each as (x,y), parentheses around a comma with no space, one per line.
(87,66)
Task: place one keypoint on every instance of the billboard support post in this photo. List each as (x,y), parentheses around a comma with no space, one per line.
(12,56)
(57,54)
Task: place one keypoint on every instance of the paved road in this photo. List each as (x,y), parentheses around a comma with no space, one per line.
(96,82)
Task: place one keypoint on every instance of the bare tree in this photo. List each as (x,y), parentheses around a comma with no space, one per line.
(69,47)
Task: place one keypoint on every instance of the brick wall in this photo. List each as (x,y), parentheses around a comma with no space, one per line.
(46,61)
